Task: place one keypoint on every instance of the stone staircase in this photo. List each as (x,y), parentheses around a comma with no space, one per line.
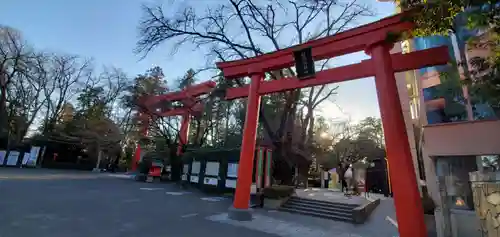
(321,209)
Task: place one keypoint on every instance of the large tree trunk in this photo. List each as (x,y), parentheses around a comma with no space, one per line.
(99,157)
(3,109)
(175,163)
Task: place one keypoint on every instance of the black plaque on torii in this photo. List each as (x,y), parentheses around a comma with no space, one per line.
(304,63)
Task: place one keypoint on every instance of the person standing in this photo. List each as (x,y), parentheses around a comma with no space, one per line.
(341,172)
(261,198)
(344,185)
(348,176)
(326,178)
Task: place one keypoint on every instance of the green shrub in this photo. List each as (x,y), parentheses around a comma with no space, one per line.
(144,166)
(278,192)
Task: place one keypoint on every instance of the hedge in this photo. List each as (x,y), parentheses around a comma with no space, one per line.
(278,192)
(210,153)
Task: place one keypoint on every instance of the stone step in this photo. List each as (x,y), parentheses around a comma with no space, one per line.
(314,213)
(319,210)
(323,203)
(332,209)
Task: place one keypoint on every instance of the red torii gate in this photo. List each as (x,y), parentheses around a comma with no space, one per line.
(372,39)
(188,97)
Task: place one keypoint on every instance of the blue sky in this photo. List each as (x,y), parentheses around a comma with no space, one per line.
(106,30)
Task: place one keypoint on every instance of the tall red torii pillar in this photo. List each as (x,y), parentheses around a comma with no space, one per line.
(370,38)
(191,104)
(144,132)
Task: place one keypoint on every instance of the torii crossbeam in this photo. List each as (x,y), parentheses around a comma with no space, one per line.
(190,105)
(370,38)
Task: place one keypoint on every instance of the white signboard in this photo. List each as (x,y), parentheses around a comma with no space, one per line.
(194,179)
(26,158)
(210,181)
(184,177)
(185,169)
(195,169)
(2,157)
(12,158)
(230,183)
(232,170)
(30,159)
(212,169)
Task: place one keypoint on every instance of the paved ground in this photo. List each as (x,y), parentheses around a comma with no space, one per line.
(330,196)
(45,203)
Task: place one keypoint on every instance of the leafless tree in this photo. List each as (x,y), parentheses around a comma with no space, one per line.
(114,81)
(14,54)
(25,97)
(68,74)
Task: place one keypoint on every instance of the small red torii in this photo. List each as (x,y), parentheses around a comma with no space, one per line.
(370,38)
(191,104)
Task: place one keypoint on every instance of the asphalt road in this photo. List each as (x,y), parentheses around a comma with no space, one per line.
(52,203)
(46,203)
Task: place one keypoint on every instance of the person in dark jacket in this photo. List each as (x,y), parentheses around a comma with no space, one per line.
(261,198)
(341,170)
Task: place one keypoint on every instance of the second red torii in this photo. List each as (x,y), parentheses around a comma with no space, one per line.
(191,104)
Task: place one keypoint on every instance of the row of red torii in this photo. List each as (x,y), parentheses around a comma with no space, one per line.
(372,38)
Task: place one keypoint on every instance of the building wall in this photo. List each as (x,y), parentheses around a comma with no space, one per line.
(430,77)
(432,90)
(486,192)
(451,140)
(463,138)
